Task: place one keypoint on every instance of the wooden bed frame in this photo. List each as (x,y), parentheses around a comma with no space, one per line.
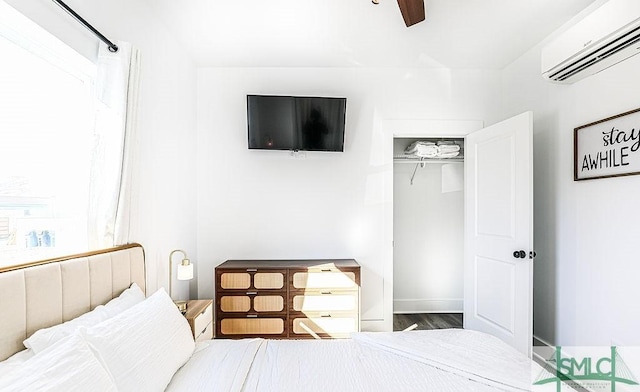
(49,292)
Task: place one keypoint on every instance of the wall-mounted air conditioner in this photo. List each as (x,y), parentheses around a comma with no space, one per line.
(610,34)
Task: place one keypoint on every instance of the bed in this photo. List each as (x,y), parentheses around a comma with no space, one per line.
(85,323)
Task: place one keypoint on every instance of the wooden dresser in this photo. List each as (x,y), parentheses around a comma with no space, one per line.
(287,298)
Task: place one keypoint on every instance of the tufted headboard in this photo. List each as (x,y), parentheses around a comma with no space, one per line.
(45,293)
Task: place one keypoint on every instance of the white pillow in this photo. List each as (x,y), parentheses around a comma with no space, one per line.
(143,346)
(131,296)
(45,337)
(67,365)
(15,361)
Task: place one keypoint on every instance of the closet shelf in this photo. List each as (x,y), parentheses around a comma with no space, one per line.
(405,159)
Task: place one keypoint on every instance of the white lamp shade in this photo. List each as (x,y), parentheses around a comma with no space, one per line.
(185,271)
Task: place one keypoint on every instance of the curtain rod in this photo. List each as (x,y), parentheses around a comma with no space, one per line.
(112,47)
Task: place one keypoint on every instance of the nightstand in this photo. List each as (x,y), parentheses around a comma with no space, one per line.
(200,317)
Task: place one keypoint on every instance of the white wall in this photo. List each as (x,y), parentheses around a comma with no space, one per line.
(265,204)
(586,274)
(428,232)
(164,183)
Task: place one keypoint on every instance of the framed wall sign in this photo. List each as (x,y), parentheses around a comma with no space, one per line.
(607,148)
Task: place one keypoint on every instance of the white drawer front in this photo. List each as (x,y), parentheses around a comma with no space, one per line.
(206,334)
(338,326)
(324,279)
(203,319)
(325,302)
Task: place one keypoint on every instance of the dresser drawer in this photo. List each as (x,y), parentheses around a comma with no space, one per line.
(273,326)
(252,301)
(325,301)
(253,279)
(324,279)
(333,326)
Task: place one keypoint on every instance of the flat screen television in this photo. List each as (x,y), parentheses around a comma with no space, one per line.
(296,123)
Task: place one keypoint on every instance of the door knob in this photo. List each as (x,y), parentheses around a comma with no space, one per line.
(519,254)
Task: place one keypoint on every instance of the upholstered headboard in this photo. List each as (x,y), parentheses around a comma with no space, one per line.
(49,292)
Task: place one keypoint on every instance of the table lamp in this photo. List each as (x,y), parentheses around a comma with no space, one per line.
(184,272)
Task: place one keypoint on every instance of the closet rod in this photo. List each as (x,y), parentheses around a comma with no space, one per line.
(112,47)
(421,164)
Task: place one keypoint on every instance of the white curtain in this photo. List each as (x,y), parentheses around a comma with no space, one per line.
(113,160)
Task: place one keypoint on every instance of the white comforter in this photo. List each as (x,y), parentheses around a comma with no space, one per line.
(440,360)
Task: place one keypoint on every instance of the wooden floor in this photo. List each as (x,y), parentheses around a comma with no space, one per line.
(427,320)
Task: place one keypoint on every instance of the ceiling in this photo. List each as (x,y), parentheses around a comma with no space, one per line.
(353,33)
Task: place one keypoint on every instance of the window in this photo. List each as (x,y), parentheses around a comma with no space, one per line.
(47,117)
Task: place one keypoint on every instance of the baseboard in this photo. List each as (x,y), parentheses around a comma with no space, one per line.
(428,306)
(541,342)
(542,350)
(376,326)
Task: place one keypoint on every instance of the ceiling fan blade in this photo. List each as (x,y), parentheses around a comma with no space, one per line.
(412,11)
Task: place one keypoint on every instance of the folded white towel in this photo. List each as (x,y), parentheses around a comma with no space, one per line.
(451,154)
(443,149)
(427,154)
(434,153)
(449,148)
(424,150)
(419,145)
(420,142)
(427,149)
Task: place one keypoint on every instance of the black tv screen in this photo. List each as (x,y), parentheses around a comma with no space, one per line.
(296,123)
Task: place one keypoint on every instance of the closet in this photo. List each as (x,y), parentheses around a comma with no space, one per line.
(458,246)
(428,225)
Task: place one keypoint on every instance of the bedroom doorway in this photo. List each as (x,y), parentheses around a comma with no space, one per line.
(428,217)
(497,239)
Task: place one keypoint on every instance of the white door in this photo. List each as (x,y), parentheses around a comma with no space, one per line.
(499,231)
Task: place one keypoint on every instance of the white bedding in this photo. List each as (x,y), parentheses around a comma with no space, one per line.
(471,354)
(217,365)
(442,360)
